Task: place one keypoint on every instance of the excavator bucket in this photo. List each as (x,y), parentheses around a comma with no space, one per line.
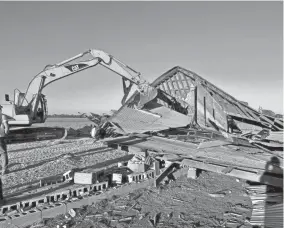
(147,94)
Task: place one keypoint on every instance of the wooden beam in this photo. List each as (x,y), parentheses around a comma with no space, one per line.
(122,139)
(211,86)
(252,113)
(179,77)
(169,89)
(195,104)
(237,106)
(165,76)
(261,178)
(172,84)
(165,173)
(185,79)
(270,122)
(164,88)
(204,104)
(181,92)
(215,143)
(243,110)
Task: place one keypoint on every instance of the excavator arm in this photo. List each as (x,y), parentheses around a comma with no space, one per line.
(80,62)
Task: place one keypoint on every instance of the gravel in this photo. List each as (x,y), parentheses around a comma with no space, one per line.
(30,162)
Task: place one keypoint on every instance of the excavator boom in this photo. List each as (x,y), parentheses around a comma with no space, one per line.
(26,107)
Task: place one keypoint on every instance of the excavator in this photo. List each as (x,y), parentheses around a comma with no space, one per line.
(31,107)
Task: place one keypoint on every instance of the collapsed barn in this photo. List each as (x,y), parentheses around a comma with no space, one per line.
(204,128)
(209,126)
(202,104)
(192,126)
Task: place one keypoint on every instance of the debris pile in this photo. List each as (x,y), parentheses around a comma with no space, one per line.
(267,205)
(191,127)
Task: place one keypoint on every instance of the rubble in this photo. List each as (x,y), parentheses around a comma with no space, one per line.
(192,127)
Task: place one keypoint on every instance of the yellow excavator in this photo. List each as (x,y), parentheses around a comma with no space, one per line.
(31,107)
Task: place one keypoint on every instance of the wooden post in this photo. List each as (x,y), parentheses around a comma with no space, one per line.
(195,104)
(204,103)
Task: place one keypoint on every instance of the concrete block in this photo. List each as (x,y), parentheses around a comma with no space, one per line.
(53,210)
(150,173)
(26,218)
(5,221)
(117,178)
(84,178)
(129,177)
(57,196)
(8,207)
(121,164)
(137,167)
(68,176)
(191,173)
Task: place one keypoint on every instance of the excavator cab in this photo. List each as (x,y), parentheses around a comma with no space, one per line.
(22,112)
(42,112)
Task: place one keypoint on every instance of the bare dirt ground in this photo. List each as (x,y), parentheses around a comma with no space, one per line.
(212,200)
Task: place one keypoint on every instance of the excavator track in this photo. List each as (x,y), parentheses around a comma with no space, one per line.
(34,134)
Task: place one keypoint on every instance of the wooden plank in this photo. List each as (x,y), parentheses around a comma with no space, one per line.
(243,110)
(279,122)
(215,143)
(235,158)
(205,110)
(261,178)
(183,84)
(116,140)
(168,87)
(176,91)
(186,145)
(166,172)
(164,88)
(236,105)
(195,105)
(275,136)
(181,90)
(211,86)
(185,79)
(252,113)
(270,122)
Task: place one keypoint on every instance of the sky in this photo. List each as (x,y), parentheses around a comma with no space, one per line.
(238,46)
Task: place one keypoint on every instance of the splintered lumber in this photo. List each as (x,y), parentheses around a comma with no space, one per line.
(275,136)
(270,144)
(122,139)
(261,178)
(165,173)
(215,143)
(244,163)
(237,158)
